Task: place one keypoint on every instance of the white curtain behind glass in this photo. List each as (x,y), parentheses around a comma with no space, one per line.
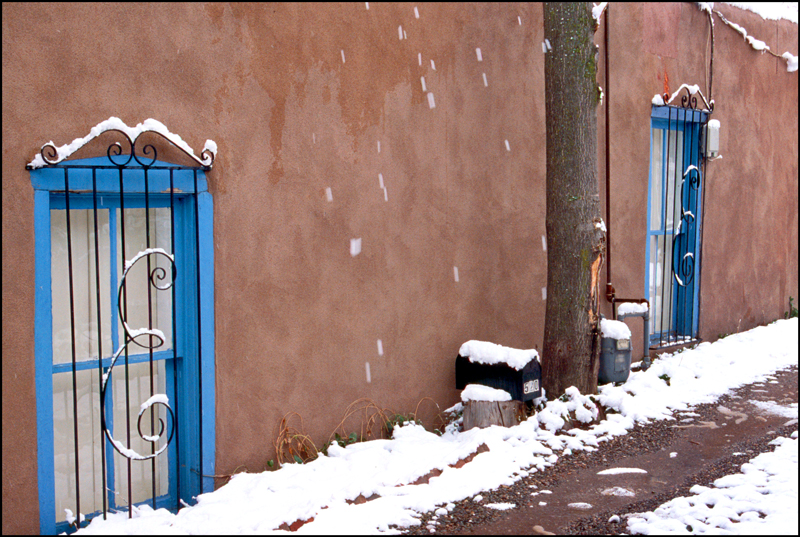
(87,347)
(665,150)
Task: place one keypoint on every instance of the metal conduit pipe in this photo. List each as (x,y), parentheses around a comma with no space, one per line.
(609,287)
(610,291)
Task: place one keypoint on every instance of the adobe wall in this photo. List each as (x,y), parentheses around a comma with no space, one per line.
(750,254)
(749,250)
(297,317)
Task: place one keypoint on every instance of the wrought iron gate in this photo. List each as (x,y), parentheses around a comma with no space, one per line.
(127,319)
(675,218)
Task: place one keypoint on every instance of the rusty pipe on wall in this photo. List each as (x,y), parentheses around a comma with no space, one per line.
(645,315)
(608,182)
(610,291)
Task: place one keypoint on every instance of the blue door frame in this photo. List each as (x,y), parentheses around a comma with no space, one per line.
(194,286)
(683,268)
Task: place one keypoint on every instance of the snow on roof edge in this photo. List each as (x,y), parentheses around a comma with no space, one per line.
(770,10)
(761,46)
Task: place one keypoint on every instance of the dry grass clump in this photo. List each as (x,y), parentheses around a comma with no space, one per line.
(364,418)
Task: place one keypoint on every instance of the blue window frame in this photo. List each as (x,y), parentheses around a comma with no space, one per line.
(184,371)
(672,281)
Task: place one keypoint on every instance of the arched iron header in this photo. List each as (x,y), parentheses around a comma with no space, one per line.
(688,100)
(50,155)
(164,211)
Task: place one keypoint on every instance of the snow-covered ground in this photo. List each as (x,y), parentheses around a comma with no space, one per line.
(258,503)
(762,499)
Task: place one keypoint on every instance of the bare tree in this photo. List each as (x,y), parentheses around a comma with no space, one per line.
(575,231)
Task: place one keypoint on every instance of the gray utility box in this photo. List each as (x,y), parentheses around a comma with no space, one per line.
(523,385)
(615,360)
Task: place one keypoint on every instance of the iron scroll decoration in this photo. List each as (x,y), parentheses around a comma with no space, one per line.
(689,100)
(49,152)
(163,424)
(683,265)
(116,155)
(683,261)
(158,273)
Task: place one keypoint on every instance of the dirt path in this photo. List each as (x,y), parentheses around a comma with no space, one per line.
(707,442)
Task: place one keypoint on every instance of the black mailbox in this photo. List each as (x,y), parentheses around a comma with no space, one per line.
(523,385)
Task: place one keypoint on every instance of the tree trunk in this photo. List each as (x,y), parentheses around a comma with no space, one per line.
(575,232)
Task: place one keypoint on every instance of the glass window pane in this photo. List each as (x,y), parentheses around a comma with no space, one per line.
(674,174)
(89,438)
(90,458)
(672,150)
(656,178)
(84,285)
(138,284)
(660,291)
(139,392)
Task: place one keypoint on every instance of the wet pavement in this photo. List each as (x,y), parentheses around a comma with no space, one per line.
(701,443)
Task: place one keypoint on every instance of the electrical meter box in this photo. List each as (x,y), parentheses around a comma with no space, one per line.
(523,385)
(615,360)
(712,139)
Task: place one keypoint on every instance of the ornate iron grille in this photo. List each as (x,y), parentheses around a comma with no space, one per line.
(674,219)
(162,429)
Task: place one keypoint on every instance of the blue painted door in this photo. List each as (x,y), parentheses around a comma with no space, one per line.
(82,315)
(674,218)
(129,382)
(686,239)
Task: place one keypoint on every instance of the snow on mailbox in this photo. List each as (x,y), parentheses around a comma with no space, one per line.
(516,371)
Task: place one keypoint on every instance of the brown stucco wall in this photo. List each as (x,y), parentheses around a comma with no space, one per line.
(296,316)
(750,253)
(749,256)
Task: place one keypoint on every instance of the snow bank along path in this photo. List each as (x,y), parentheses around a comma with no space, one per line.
(254,503)
(767,486)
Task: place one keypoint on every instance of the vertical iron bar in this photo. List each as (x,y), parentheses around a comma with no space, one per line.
(665,195)
(695,148)
(681,289)
(107,412)
(681,315)
(676,208)
(99,332)
(124,338)
(662,247)
(150,327)
(689,309)
(199,322)
(74,363)
(695,207)
(689,304)
(174,348)
(676,197)
(702,211)
(608,161)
